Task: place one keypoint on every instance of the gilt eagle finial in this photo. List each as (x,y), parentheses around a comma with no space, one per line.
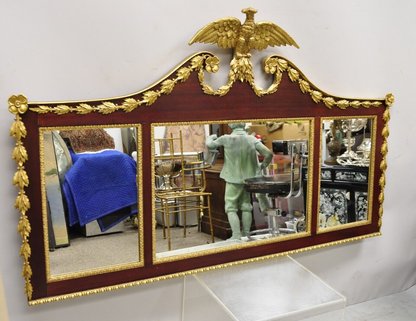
(230,33)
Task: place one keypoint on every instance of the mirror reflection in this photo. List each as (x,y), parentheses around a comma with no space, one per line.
(90,197)
(225,184)
(345,171)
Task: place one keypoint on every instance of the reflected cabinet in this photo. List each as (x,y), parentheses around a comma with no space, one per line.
(180,178)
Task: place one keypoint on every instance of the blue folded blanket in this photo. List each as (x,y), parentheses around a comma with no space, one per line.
(99,184)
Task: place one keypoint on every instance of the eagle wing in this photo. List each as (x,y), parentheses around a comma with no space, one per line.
(268,34)
(224,32)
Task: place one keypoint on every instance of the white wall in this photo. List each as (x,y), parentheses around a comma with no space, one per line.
(63,50)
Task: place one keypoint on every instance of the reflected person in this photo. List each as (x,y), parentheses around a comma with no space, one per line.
(240,163)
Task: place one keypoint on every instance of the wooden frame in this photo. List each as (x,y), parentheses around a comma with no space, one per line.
(182,97)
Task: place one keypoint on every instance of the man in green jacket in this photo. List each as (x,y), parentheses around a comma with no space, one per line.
(240,162)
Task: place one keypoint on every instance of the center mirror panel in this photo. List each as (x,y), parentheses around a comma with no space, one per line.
(229,185)
(91,199)
(347,170)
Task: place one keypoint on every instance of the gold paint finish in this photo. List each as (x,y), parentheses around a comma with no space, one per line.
(383,164)
(230,33)
(17,106)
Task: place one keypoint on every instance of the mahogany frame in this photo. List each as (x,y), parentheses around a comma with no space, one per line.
(186,102)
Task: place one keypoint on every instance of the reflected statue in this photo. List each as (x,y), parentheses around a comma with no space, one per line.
(240,163)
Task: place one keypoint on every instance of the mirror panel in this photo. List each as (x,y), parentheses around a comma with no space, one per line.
(188,226)
(347,167)
(90,193)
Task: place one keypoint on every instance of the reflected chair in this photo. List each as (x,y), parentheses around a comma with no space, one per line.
(280,186)
(182,188)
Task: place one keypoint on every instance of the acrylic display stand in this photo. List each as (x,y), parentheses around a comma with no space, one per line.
(274,289)
(3,307)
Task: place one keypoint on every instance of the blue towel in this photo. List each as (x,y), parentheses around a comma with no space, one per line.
(99,184)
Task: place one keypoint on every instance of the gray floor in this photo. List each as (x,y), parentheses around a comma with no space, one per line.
(85,253)
(397,307)
(400,306)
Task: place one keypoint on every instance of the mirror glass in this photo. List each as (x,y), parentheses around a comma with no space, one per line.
(346,172)
(194,217)
(90,198)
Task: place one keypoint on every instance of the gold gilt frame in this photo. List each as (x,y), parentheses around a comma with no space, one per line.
(227,33)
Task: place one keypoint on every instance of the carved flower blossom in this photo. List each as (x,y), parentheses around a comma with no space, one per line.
(270,66)
(212,64)
(18,104)
(389,99)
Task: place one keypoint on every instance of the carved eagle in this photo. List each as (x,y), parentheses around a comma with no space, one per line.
(230,33)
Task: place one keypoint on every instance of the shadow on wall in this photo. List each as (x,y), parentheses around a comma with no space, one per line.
(3,307)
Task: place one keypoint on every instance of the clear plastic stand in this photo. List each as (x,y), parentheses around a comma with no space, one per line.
(274,289)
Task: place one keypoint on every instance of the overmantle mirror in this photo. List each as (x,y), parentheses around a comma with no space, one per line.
(320,164)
